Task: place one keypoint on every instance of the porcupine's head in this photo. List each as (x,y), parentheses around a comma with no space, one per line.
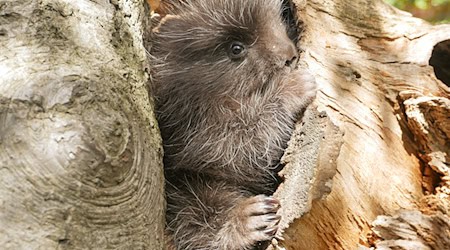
(221,65)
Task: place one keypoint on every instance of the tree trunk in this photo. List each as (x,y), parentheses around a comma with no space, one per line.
(392,182)
(80,152)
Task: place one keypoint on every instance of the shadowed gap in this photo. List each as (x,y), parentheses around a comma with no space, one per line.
(294,26)
(440,60)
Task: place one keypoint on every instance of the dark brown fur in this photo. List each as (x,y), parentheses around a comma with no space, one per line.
(225,121)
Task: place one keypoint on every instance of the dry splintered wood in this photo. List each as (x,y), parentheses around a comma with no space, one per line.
(371,62)
(310,165)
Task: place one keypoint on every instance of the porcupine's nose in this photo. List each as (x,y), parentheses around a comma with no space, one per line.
(285,50)
(290,55)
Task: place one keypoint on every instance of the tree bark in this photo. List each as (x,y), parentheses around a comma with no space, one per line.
(80,151)
(392,180)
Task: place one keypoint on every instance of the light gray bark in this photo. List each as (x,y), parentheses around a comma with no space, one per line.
(80,153)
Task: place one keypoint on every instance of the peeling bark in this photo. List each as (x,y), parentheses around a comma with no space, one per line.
(310,165)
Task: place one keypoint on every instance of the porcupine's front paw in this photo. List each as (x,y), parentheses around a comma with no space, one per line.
(259,218)
(253,220)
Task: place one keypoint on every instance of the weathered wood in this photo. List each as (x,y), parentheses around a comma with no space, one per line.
(310,165)
(371,64)
(80,153)
(412,230)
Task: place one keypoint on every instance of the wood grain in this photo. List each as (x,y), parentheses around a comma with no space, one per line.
(371,64)
(80,152)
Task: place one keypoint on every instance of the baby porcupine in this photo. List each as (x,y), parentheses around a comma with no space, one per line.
(227,94)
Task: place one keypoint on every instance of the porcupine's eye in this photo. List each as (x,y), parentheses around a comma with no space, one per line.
(237,50)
